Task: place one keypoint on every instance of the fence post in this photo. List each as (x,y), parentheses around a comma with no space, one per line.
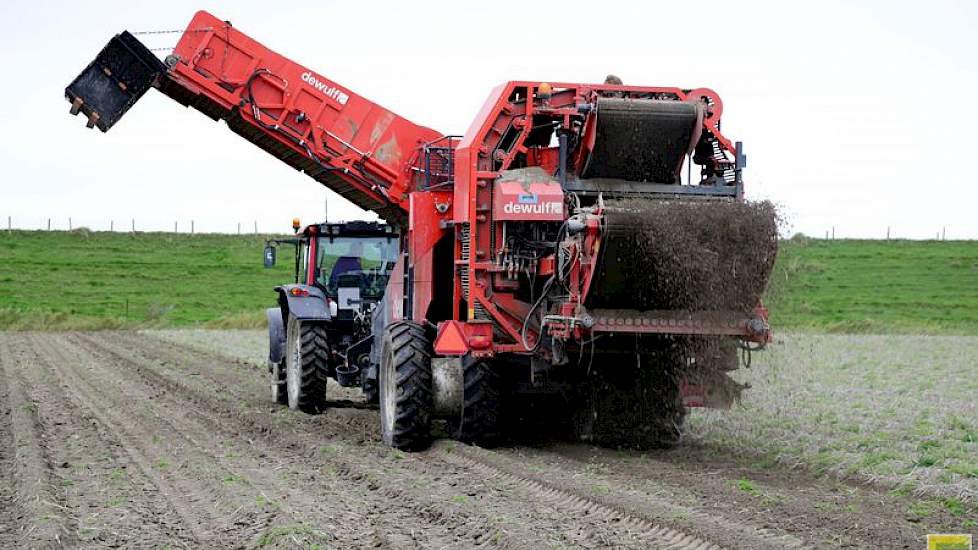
(887,232)
(191,227)
(49,224)
(9,223)
(134,225)
(69,224)
(111,225)
(943,234)
(256,227)
(239,228)
(175,227)
(833,232)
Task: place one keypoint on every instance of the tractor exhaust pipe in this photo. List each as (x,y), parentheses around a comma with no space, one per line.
(120,74)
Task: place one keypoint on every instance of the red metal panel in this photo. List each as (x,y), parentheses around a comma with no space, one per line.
(370,148)
(425,230)
(536,201)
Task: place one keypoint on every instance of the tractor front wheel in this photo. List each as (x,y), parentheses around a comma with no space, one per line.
(405,386)
(306,362)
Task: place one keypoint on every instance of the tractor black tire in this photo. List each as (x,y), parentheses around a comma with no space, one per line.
(276,382)
(478,422)
(406,401)
(306,365)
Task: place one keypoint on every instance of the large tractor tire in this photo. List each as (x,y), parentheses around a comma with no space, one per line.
(276,381)
(405,386)
(478,421)
(306,363)
(638,406)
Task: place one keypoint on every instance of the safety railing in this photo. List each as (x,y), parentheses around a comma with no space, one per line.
(439,162)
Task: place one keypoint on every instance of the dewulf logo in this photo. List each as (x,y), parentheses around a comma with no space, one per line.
(555,207)
(331,92)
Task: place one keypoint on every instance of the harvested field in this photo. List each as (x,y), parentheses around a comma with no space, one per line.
(899,411)
(896,411)
(130,440)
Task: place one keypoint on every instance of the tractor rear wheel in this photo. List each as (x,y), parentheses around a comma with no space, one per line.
(306,363)
(276,380)
(405,386)
(478,421)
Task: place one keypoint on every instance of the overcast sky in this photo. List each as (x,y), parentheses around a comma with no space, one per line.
(855,115)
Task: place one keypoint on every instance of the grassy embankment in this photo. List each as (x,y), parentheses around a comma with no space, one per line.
(91,280)
(83,279)
(862,286)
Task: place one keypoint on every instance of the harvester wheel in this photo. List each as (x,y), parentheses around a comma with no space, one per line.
(478,421)
(276,380)
(405,386)
(306,361)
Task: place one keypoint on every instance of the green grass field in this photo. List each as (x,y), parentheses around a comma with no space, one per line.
(876,286)
(84,279)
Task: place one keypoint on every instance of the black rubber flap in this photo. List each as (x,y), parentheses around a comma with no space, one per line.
(114,81)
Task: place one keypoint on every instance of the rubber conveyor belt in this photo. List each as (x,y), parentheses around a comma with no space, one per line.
(642,140)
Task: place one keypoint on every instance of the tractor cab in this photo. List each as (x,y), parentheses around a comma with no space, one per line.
(349,262)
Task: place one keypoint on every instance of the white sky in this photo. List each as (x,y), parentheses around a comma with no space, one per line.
(855,115)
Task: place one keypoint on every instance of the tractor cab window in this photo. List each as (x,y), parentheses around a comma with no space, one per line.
(363,262)
(300,261)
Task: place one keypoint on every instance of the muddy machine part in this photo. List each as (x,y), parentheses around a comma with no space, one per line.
(121,73)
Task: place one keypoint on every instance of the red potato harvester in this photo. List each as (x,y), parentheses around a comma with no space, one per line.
(552,250)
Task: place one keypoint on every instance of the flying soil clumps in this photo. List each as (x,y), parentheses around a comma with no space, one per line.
(686,255)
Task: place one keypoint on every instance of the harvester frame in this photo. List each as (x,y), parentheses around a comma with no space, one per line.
(503,229)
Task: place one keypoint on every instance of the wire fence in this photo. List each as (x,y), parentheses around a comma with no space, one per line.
(938,236)
(241,228)
(132,225)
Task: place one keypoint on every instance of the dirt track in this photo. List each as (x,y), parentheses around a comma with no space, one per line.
(118,439)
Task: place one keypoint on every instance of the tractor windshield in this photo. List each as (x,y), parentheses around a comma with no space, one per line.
(364,262)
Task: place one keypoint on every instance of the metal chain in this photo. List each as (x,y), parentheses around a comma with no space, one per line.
(204,29)
(173,31)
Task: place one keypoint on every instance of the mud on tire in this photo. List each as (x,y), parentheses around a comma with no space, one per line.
(276,382)
(405,386)
(478,421)
(371,390)
(306,363)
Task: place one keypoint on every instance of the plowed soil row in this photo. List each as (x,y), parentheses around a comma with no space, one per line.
(119,439)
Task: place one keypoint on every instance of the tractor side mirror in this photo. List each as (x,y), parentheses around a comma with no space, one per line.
(269,256)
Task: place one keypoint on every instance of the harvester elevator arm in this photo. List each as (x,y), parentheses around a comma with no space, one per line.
(349,144)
